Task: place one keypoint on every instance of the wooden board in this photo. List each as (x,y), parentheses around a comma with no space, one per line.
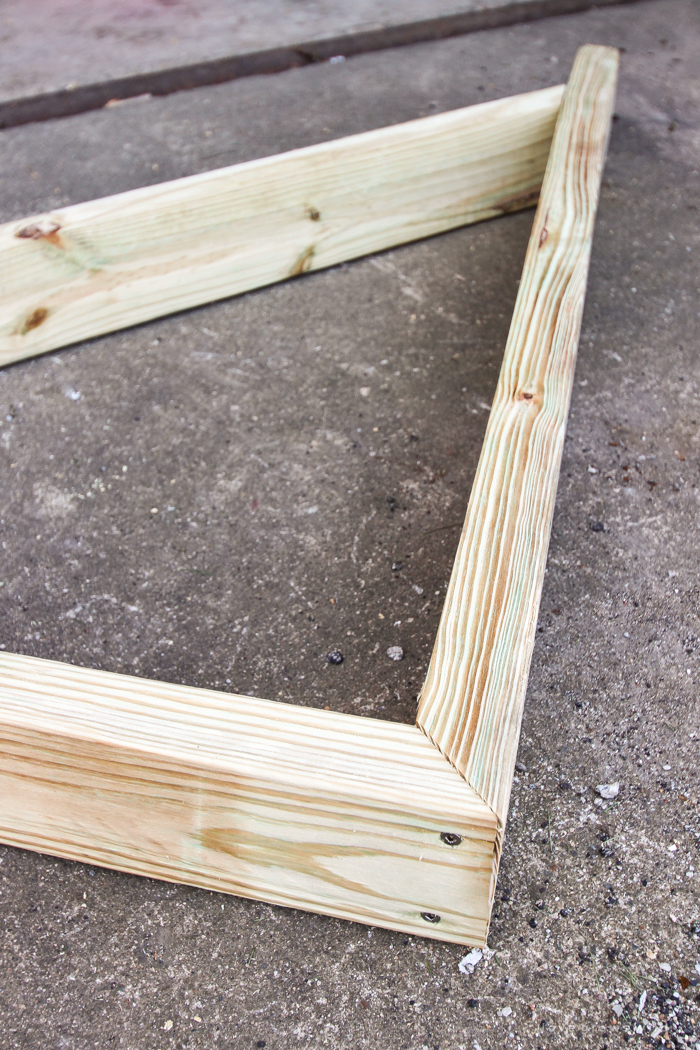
(398,826)
(292,805)
(91,268)
(472,701)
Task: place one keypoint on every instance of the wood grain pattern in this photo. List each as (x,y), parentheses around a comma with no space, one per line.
(472,702)
(330,812)
(92,268)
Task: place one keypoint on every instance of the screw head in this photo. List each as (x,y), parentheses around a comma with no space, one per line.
(430,916)
(450,839)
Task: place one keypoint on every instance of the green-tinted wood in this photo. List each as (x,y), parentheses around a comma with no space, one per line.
(306,808)
(92,268)
(472,701)
(333,813)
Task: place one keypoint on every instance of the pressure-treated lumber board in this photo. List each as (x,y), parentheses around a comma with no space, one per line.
(352,817)
(472,701)
(88,269)
(324,811)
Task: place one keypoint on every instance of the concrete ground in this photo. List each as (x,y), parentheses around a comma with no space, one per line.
(222,497)
(47,45)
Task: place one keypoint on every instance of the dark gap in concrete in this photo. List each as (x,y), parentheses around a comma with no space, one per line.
(69,102)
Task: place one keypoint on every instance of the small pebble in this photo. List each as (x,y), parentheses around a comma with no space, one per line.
(470,961)
(608,790)
(335,657)
(394,652)
(396,566)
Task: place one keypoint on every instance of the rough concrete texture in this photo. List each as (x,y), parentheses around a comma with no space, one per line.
(47,45)
(222,497)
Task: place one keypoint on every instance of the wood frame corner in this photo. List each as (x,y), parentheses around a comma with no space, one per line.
(394,825)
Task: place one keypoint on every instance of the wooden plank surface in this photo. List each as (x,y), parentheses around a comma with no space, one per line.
(329,812)
(472,702)
(92,268)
